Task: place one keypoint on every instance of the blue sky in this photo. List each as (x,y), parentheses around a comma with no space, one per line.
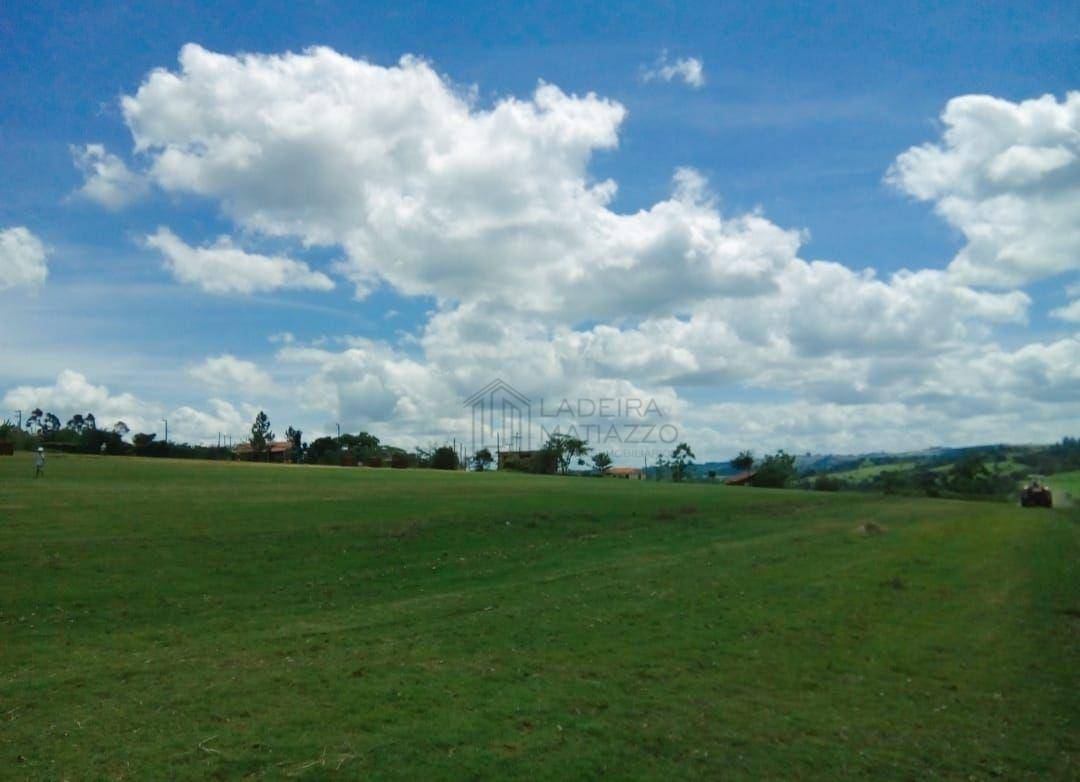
(802,113)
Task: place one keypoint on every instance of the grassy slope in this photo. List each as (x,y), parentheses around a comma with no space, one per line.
(868,471)
(196,620)
(1066,487)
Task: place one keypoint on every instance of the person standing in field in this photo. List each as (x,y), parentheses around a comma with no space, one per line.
(39,463)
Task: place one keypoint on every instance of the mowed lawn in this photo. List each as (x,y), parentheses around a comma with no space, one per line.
(194,620)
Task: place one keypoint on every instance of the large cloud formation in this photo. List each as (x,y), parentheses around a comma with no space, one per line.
(72,392)
(492,211)
(1008,176)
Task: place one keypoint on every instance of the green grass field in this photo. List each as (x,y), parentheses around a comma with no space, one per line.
(1066,487)
(187,620)
(868,471)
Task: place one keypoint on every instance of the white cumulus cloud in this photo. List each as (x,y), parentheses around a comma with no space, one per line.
(22,259)
(109,181)
(227,372)
(492,211)
(1007,175)
(690,70)
(433,194)
(223,268)
(73,393)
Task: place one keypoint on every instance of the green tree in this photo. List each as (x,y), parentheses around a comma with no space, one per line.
(120,429)
(482,458)
(825,482)
(364,446)
(422,456)
(775,471)
(601,461)
(323,450)
(261,436)
(296,443)
(744,461)
(50,425)
(33,421)
(681,460)
(444,458)
(565,448)
(142,439)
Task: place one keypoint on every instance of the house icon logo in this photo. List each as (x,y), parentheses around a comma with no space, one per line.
(501,418)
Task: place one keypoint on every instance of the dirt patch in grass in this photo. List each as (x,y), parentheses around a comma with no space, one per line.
(869,529)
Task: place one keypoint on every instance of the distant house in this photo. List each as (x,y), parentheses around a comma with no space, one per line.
(628,473)
(279,452)
(741,478)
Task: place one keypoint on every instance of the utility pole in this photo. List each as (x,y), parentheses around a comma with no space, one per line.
(498,450)
(19,413)
(166,420)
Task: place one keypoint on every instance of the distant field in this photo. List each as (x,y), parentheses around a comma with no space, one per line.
(187,620)
(870,470)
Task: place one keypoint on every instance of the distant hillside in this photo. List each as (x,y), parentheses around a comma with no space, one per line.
(865,469)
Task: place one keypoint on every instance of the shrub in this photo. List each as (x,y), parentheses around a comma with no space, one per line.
(514,464)
(544,462)
(374,461)
(399,461)
(444,458)
(776,471)
(19,439)
(827,483)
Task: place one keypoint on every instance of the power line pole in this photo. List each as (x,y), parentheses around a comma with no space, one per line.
(166,420)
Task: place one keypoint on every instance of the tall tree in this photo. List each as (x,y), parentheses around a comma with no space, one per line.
(565,448)
(76,423)
(143,439)
(33,422)
(681,459)
(50,424)
(120,429)
(444,458)
(261,436)
(744,461)
(601,461)
(296,444)
(775,471)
